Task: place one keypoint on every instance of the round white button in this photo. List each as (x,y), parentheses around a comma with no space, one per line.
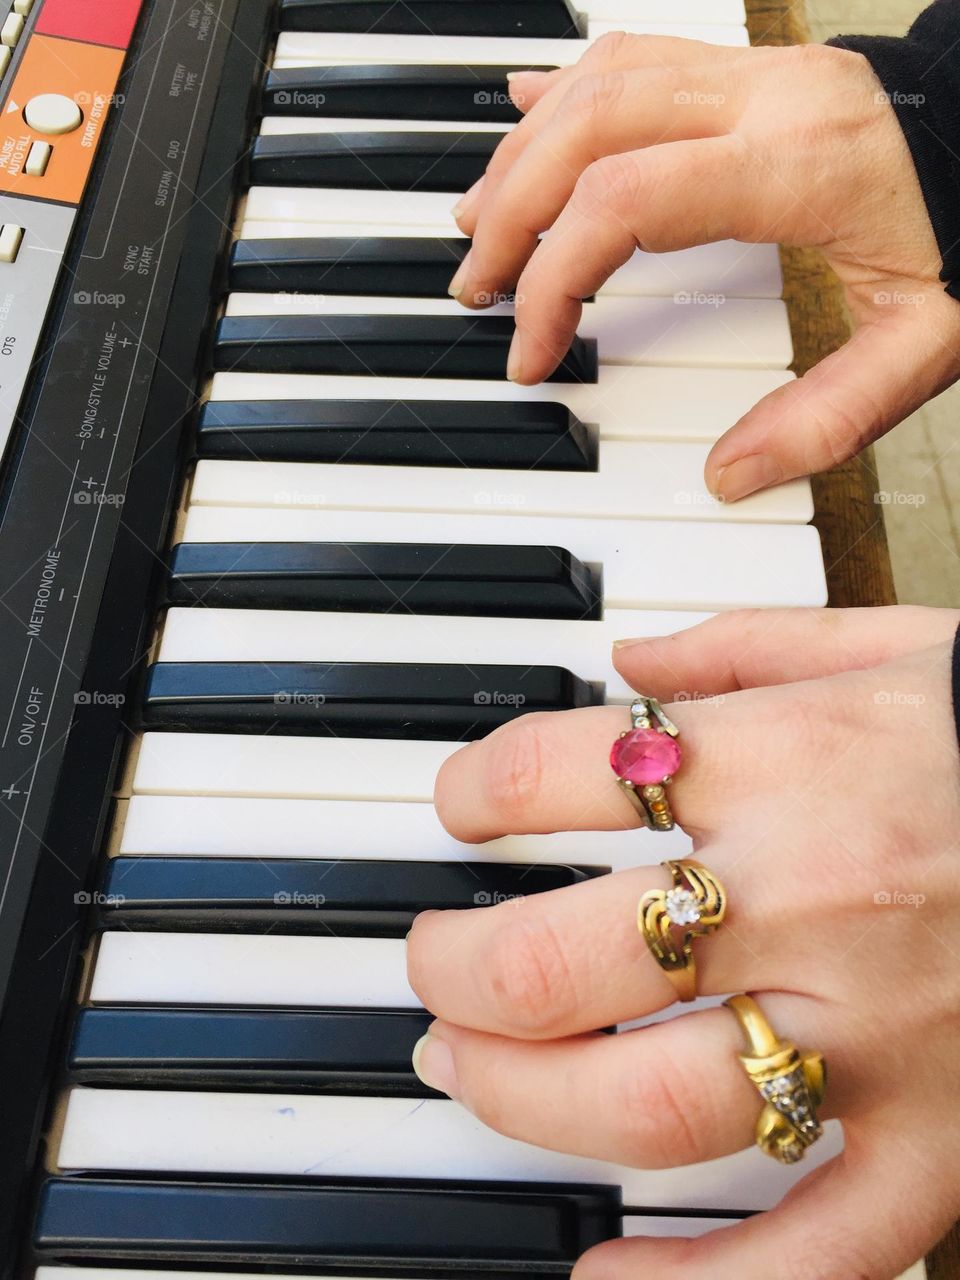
(52,113)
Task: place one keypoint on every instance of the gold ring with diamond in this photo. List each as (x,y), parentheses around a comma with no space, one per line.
(670,920)
(645,758)
(790,1083)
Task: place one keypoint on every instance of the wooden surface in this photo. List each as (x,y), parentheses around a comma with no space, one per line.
(848,517)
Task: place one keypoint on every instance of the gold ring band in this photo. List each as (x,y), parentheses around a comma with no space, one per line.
(791,1084)
(670,920)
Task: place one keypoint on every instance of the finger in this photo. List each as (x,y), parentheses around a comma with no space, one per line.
(572,960)
(849,1218)
(532,178)
(526,88)
(670,1094)
(659,199)
(753,647)
(613,52)
(551,772)
(887,370)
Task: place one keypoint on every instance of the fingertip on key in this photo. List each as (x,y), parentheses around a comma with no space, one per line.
(434,1066)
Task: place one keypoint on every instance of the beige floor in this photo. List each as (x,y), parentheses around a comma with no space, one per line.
(919,462)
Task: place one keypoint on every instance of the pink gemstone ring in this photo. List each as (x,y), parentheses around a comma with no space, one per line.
(645,759)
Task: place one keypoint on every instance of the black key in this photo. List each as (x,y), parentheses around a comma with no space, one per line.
(371,577)
(523,435)
(492,1228)
(555,19)
(308,896)
(359,699)
(338,1051)
(443,93)
(391,266)
(385,346)
(442,161)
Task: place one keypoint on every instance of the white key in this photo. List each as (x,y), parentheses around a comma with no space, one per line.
(702,329)
(318,205)
(252,969)
(627,402)
(689,11)
(267,635)
(729,268)
(634,481)
(731,35)
(213,826)
(334,1136)
(271,126)
(665,565)
(333,48)
(241,764)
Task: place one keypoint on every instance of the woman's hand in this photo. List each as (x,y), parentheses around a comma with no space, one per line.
(665,143)
(821,783)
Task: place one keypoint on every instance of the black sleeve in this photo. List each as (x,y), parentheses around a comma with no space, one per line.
(921,77)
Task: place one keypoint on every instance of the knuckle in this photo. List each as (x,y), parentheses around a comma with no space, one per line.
(515,770)
(657,1117)
(608,184)
(531,983)
(594,95)
(615,47)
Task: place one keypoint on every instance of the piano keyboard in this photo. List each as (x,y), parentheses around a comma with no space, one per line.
(382,549)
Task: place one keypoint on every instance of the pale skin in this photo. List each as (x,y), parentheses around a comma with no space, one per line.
(665,143)
(821,776)
(821,783)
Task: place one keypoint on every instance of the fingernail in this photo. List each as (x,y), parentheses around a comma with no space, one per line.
(747,475)
(514,362)
(433,1063)
(467,199)
(460,275)
(628,644)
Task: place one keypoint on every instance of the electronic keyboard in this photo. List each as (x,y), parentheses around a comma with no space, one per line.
(276,537)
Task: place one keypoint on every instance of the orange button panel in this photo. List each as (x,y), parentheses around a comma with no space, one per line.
(87,74)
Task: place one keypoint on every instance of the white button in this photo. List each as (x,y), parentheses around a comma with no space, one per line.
(52,113)
(5,56)
(38,159)
(22,6)
(10,238)
(12,30)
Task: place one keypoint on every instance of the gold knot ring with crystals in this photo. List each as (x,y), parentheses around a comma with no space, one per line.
(791,1084)
(670,920)
(645,758)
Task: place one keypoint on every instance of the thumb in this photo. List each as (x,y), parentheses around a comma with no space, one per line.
(753,648)
(888,369)
(845,1219)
